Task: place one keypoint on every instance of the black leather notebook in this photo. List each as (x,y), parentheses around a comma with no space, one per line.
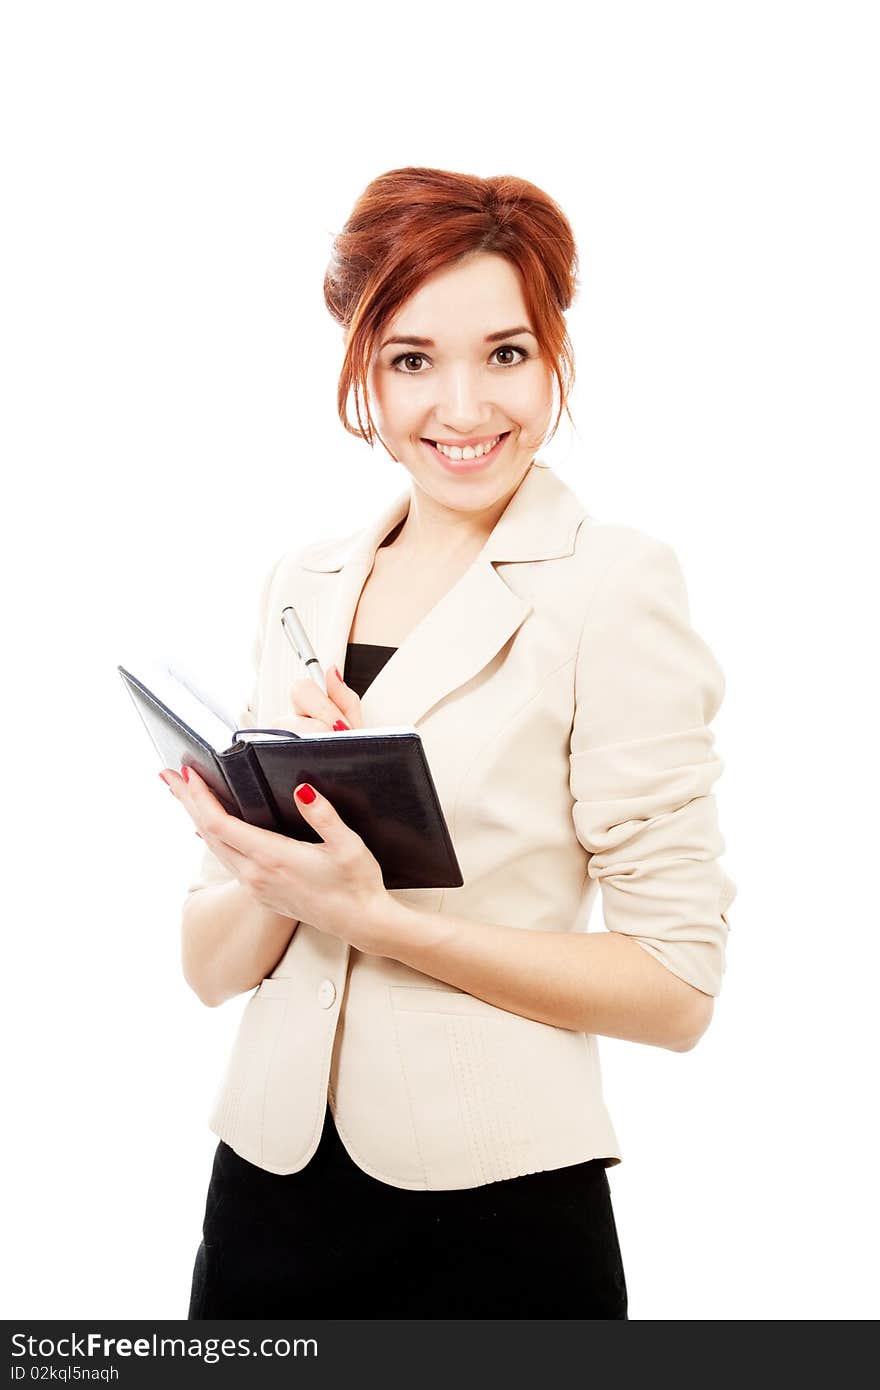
(378,780)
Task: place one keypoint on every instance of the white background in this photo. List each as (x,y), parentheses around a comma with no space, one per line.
(173,174)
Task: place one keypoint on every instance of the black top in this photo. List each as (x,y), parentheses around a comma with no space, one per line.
(363,662)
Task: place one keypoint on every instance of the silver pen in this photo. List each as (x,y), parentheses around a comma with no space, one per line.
(296,635)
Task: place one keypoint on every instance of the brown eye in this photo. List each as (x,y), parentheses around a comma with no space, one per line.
(408,357)
(522,355)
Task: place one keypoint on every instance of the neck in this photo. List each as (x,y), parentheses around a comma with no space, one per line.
(430,531)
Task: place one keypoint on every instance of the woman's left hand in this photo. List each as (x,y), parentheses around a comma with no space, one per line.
(335,886)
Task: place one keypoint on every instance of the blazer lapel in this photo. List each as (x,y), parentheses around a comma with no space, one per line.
(471,623)
(453,642)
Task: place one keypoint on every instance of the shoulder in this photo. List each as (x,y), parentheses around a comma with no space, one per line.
(611,557)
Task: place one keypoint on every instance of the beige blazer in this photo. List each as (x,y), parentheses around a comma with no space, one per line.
(564,701)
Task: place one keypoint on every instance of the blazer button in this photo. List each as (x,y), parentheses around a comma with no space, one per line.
(326,993)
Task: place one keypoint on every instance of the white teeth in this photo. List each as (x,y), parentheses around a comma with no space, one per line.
(468,452)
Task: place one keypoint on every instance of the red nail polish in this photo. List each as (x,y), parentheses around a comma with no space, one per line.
(184,772)
(338,673)
(340,724)
(165,780)
(306,793)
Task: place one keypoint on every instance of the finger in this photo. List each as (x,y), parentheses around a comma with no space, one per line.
(194,795)
(178,787)
(195,807)
(345,698)
(318,812)
(297,723)
(215,824)
(309,699)
(229,858)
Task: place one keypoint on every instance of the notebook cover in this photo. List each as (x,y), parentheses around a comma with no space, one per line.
(380,785)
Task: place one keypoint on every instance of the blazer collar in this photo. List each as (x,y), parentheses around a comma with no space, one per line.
(470,624)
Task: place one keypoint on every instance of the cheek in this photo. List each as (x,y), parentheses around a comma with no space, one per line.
(391,406)
(533,400)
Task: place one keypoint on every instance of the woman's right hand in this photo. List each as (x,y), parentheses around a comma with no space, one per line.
(313,712)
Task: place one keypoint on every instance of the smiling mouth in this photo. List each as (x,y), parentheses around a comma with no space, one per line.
(474,462)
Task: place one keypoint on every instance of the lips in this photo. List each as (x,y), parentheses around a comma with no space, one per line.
(474,465)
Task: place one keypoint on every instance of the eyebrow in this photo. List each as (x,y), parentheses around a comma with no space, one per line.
(489,338)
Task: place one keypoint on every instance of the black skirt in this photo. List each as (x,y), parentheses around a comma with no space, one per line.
(331,1241)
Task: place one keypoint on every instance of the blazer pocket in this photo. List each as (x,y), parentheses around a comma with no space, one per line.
(465,1062)
(425,999)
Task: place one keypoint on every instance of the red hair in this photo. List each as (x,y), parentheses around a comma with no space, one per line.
(409,223)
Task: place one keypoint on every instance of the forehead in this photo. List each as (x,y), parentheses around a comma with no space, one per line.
(472,297)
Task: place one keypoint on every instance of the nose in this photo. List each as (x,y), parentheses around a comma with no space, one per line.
(461,408)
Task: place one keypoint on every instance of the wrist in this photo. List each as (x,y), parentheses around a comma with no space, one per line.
(387,924)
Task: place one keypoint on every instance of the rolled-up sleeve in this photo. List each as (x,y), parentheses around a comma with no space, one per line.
(210,871)
(643,763)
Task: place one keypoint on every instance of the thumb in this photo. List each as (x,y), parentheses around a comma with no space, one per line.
(344,698)
(318,812)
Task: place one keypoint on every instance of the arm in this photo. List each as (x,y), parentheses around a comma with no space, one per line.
(229,941)
(642,764)
(596,982)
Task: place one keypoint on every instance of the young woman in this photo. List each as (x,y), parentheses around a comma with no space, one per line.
(412,1121)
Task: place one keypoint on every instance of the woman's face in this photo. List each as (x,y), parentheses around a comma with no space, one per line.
(442,379)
